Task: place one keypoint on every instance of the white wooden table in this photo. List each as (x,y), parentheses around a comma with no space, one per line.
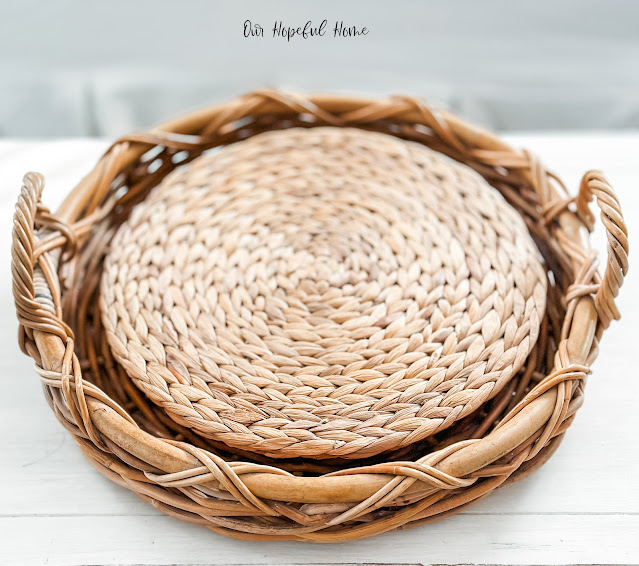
(581,507)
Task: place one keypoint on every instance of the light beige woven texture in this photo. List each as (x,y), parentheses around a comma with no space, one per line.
(322,293)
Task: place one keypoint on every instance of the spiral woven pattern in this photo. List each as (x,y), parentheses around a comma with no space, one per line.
(322,293)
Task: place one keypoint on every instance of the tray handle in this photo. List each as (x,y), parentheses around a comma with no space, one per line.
(594,184)
(34,259)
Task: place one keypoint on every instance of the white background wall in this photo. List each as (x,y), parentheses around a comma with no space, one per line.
(78,67)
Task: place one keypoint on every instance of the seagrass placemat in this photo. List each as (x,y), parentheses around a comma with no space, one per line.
(323,292)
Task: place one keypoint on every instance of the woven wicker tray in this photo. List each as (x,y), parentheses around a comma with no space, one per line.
(58,264)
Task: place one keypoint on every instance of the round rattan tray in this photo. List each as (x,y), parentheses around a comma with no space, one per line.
(238,489)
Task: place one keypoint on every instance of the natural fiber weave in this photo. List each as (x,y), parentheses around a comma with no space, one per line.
(322,293)
(57,265)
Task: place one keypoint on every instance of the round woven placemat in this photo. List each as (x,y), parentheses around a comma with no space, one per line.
(317,293)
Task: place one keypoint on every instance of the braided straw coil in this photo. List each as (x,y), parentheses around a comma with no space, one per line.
(57,266)
(322,293)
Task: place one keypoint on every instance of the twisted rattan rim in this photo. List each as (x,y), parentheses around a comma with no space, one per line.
(257,501)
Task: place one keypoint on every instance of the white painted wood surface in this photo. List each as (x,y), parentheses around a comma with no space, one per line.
(581,507)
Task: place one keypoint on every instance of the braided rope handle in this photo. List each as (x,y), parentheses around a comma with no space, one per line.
(594,184)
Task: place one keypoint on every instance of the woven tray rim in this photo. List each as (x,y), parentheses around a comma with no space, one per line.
(435,485)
